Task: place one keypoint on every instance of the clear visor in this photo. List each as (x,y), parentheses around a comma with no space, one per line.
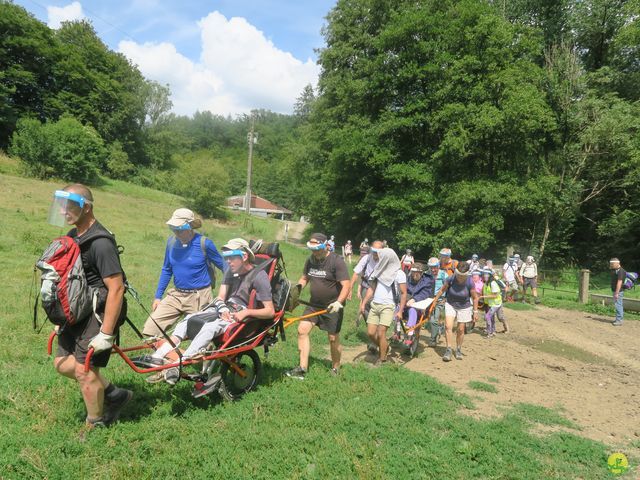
(66,208)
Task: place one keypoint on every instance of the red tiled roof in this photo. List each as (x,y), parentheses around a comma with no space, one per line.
(256,202)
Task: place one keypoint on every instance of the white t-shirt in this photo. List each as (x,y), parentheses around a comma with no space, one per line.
(383,294)
(407,259)
(509,272)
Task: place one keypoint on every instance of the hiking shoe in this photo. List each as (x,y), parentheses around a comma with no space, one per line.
(205,388)
(146,361)
(617,323)
(297,372)
(447,355)
(505,327)
(114,405)
(172,375)
(458,354)
(335,371)
(372,348)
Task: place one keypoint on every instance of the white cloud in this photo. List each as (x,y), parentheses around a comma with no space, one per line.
(239,69)
(57,15)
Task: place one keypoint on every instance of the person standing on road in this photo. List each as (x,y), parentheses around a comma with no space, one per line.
(101,263)
(618,276)
(327,275)
(509,274)
(529,276)
(348,251)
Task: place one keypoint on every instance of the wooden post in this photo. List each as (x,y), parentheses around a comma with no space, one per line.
(583,286)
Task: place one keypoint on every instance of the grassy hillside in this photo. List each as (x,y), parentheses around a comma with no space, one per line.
(366,423)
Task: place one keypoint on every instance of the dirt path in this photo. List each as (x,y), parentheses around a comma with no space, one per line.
(296,231)
(554,358)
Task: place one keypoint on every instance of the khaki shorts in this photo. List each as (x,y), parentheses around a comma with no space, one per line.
(381,314)
(460,315)
(173,307)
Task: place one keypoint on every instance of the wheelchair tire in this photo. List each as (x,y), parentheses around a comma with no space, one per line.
(234,386)
(413,348)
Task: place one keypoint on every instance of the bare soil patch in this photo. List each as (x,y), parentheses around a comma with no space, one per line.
(570,361)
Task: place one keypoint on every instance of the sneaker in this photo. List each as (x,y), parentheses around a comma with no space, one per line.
(372,348)
(505,327)
(114,405)
(205,388)
(617,323)
(297,372)
(458,354)
(447,355)
(335,371)
(146,361)
(172,375)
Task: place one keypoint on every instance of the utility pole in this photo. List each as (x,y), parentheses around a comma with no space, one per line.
(251,138)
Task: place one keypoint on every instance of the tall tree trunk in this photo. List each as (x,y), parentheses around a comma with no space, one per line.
(544,236)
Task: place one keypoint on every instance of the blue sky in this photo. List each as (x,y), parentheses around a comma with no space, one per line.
(227,56)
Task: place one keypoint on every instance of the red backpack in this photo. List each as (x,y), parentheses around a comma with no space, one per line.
(65,293)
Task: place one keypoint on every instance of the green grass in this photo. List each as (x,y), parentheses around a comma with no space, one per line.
(482,387)
(519,306)
(565,350)
(366,423)
(541,415)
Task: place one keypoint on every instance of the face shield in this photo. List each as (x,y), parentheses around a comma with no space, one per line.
(66,208)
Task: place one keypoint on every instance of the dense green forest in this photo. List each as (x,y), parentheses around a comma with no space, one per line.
(474,124)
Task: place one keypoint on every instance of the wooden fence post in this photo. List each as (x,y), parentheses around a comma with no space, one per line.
(583,286)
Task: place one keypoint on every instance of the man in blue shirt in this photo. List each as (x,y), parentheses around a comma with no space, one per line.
(187,258)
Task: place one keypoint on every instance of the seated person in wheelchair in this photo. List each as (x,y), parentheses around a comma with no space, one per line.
(230,306)
(419,287)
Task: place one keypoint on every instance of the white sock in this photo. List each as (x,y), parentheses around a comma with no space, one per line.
(164,349)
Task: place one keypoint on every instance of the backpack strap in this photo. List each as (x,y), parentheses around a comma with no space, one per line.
(210,268)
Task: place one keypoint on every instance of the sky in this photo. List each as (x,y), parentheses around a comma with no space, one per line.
(225,56)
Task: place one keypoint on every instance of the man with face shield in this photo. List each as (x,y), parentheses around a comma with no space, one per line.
(327,275)
(101,264)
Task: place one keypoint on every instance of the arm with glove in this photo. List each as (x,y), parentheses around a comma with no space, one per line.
(115,294)
(342,297)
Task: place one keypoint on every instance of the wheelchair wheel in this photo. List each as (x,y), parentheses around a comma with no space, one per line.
(413,348)
(233,385)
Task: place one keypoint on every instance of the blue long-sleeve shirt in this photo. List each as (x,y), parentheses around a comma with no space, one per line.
(187,265)
(421,290)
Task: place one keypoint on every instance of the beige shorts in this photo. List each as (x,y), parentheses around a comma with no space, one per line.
(460,315)
(381,314)
(173,307)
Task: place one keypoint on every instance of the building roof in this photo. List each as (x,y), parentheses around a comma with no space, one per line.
(257,204)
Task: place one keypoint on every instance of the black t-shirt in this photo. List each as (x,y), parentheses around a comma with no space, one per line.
(619,274)
(100,257)
(325,277)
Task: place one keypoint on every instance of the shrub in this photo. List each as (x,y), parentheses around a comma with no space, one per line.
(118,164)
(64,149)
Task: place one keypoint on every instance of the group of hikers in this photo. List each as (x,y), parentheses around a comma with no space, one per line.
(445,294)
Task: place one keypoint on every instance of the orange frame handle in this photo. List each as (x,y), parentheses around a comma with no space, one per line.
(291,320)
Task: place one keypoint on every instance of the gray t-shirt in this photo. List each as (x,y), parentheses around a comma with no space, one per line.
(241,293)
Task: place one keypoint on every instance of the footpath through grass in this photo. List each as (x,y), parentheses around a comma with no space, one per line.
(366,423)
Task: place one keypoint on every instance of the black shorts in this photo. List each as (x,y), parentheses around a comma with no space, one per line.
(75,340)
(329,322)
